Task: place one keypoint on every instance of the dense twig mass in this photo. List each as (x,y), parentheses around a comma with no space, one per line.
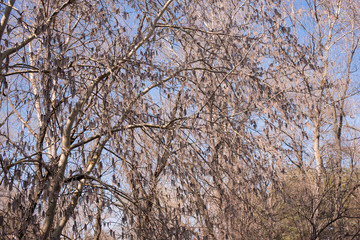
(179,119)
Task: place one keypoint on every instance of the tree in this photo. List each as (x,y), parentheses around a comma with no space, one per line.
(178,119)
(319,79)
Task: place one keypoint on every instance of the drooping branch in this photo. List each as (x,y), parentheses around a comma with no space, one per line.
(66,138)
(7,52)
(5,17)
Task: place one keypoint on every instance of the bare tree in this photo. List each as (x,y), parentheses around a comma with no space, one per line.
(178,119)
(319,80)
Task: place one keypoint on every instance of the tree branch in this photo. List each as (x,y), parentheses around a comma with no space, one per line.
(36,33)
(5,17)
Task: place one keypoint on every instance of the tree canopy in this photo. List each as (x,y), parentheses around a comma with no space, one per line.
(179,119)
